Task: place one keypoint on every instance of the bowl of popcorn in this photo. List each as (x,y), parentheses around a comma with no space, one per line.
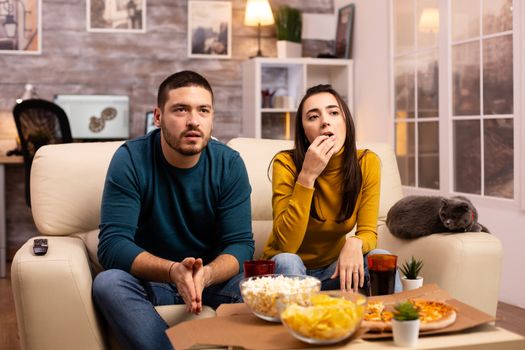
(329,318)
(266,295)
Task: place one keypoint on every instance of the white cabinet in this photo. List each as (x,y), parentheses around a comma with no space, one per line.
(273,88)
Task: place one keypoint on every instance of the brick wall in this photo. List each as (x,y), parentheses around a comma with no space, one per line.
(74,61)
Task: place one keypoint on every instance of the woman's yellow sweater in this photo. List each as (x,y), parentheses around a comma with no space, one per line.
(319,242)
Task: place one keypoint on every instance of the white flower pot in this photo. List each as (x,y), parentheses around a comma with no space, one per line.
(411,284)
(405,333)
(287,49)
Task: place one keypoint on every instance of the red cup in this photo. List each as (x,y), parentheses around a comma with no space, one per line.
(258,267)
(382,270)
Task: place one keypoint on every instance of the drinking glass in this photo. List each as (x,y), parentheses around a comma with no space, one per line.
(382,269)
(258,267)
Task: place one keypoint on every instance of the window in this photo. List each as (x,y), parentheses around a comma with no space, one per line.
(416,90)
(478,125)
(482,97)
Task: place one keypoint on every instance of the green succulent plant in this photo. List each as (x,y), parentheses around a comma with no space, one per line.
(411,268)
(288,24)
(406,311)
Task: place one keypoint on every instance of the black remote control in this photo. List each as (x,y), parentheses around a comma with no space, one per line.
(40,246)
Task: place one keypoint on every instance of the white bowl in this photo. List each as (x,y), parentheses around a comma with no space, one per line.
(266,294)
(329,319)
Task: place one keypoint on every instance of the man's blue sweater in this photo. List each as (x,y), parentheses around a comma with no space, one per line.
(149,205)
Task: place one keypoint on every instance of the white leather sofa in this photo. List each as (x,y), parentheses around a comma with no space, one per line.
(53,292)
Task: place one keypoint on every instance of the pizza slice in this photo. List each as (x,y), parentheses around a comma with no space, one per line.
(434,314)
(377,318)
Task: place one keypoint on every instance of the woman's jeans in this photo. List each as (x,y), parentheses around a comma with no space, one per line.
(128,305)
(291,264)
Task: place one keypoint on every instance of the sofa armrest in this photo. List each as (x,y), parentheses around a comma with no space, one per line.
(467,265)
(52,294)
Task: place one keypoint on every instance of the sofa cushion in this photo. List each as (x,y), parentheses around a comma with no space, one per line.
(90,240)
(67,181)
(257,155)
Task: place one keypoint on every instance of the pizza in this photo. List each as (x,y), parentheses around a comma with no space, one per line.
(432,315)
(377,318)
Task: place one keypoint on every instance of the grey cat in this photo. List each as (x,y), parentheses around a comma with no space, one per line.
(417,216)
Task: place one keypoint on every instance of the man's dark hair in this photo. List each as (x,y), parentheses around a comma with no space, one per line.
(181,79)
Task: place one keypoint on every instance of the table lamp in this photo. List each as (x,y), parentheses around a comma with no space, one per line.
(258,13)
(28,94)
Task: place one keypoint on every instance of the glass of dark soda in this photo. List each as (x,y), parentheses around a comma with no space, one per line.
(382,270)
(258,267)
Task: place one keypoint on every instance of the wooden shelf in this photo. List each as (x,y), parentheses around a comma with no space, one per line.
(289,78)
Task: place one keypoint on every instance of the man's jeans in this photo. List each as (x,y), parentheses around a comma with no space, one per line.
(291,264)
(128,305)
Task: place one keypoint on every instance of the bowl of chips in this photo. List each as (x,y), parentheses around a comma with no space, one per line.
(329,318)
(266,295)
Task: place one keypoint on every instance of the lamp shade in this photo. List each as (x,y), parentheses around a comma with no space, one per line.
(429,20)
(258,12)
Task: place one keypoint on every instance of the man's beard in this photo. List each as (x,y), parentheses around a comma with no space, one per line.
(176,144)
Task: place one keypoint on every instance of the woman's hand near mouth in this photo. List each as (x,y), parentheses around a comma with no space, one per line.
(316,159)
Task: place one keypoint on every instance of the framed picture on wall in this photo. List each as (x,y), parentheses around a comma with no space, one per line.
(210,29)
(343,37)
(150,122)
(20,26)
(125,16)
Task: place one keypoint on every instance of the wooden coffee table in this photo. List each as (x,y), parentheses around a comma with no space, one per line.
(235,324)
(484,337)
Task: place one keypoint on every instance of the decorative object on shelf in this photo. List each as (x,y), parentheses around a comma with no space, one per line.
(411,279)
(210,29)
(97,124)
(20,26)
(267,97)
(258,13)
(288,26)
(284,102)
(96,116)
(405,324)
(122,16)
(343,38)
(289,79)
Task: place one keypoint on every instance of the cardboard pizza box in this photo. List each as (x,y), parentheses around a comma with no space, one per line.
(236,326)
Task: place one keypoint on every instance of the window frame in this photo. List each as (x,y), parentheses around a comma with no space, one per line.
(446,157)
(416,53)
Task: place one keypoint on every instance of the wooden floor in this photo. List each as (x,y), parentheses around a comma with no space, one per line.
(8,334)
(508,316)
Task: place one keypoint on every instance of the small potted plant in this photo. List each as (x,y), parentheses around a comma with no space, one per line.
(288,27)
(405,324)
(410,270)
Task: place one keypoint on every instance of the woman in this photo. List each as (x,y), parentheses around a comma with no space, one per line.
(321,189)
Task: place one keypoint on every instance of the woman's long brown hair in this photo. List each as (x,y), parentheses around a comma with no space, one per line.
(352,177)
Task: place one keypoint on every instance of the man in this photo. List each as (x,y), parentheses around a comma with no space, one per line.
(175,219)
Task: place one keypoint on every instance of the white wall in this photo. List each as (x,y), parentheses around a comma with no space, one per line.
(371,54)
(373,122)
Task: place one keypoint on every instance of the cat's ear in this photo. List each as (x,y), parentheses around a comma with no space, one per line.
(444,202)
